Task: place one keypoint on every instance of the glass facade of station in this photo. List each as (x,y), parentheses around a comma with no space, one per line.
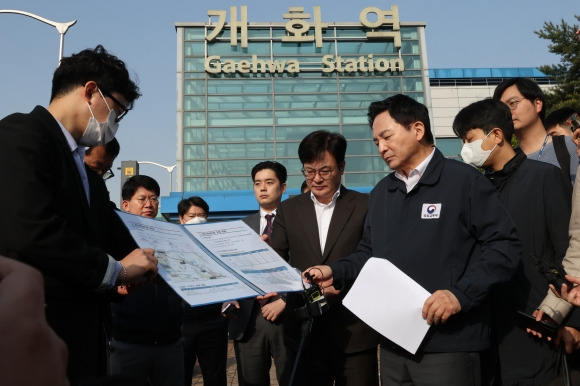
(238,105)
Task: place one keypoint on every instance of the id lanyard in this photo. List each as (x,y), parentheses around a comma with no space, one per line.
(542,148)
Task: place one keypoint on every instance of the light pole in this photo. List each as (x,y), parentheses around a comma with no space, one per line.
(60,27)
(168,168)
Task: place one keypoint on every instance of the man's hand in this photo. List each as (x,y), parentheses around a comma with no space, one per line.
(230,315)
(540,315)
(322,275)
(572,295)
(576,139)
(440,306)
(141,263)
(31,352)
(272,310)
(570,337)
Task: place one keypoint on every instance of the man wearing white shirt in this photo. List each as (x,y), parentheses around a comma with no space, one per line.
(257,329)
(319,227)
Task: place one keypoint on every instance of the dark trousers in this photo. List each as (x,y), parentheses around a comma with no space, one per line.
(322,363)
(206,340)
(262,341)
(431,369)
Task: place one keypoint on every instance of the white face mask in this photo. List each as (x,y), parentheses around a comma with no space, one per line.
(196,220)
(100,133)
(473,154)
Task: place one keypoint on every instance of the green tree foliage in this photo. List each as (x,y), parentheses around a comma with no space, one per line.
(566,44)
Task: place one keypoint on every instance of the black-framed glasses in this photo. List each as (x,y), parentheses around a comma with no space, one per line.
(513,103)
(324,173)
(108,175)
(123,107)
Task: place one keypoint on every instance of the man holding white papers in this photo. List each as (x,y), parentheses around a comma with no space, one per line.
(443,224)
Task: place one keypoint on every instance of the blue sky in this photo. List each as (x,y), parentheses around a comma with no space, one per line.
(459,34)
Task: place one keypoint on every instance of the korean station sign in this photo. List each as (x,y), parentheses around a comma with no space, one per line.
(298,29)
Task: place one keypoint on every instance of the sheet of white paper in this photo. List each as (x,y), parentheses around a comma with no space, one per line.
(241,249)
(390,302)
(194,275)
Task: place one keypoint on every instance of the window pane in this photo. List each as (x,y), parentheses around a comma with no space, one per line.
(194,168)
(221,134)
(194,151)
(241,150)
(194,184)
(193,119)
(193,135)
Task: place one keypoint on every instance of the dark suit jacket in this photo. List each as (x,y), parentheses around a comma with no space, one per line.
(47,223)
(295,238)
(237,327)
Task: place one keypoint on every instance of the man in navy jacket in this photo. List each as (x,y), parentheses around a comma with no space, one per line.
(443,224)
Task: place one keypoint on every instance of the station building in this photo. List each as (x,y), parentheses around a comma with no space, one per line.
(248,92)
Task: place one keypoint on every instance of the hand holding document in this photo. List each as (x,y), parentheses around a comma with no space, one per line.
(397,313)
(213,262)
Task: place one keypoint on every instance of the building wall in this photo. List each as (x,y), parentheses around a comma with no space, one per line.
(232,114)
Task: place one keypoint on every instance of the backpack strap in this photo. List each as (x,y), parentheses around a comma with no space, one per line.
(562,153)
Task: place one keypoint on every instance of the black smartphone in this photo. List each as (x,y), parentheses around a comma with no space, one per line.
(547,329)
(229,311)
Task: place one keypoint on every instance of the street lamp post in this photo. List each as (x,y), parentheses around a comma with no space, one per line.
(60,27)
(168,168)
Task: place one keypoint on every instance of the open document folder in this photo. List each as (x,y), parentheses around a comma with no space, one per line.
(390,302)
(213,262)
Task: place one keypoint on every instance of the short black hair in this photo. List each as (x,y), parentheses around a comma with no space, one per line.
(559,117)
(113,148)
(139,181)
(486,115)
(278,168)
(187,203)
(527,87)
(108,71)
(315,144)
(405,111)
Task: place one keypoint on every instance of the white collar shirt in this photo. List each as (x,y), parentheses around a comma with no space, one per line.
(415,175)
(323,216)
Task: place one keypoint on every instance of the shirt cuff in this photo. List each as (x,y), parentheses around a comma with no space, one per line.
(111,275)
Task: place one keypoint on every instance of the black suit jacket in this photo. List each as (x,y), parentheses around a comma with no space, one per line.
(237,327)
(47,223)
(295,238)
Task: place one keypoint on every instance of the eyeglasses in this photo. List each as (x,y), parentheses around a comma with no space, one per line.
(108,174)
(154,200)
(324,173)
(123,107)
(513,103)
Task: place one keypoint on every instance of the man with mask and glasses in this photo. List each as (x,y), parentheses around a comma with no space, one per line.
(537,196)
(58,216)
(100,158)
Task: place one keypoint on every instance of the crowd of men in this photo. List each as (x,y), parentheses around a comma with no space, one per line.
(80,302)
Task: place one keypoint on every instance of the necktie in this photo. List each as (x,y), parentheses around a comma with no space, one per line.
(268,228)
(79,157)
(267,231)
